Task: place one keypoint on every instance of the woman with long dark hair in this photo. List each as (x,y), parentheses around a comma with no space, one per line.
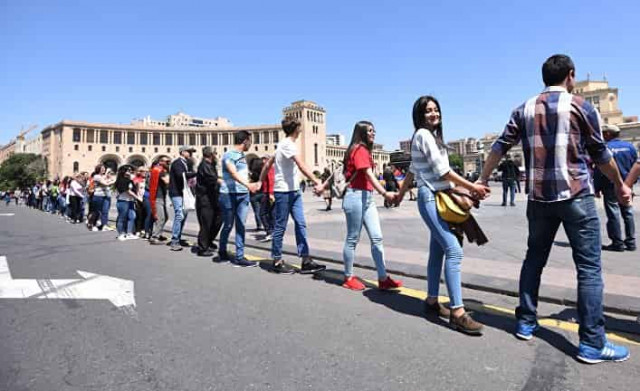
(127,193)
(430,168)
(360,208)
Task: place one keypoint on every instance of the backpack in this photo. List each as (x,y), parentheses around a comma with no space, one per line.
(339,183)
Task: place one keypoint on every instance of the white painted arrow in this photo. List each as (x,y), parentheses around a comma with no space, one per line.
(90,286)
(7,214)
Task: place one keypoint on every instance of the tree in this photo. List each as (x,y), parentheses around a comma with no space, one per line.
(22,170)
(455,161)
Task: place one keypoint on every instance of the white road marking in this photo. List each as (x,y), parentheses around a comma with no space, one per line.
(90,286)
(7,214)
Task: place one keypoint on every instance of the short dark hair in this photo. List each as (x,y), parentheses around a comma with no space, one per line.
(207,151)
(556,69)
(290,125)
(241,137)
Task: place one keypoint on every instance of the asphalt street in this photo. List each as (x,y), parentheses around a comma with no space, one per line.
(199,325)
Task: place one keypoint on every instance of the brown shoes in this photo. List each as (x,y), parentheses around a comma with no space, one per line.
(436,310)
(465,324)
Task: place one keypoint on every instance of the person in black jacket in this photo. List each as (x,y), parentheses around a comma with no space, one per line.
(180,166)
(207,202)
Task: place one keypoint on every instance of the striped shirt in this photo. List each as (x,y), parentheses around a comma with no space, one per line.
(561,137)
(429,162)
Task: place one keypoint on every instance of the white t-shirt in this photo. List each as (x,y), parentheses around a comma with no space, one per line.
(286,178)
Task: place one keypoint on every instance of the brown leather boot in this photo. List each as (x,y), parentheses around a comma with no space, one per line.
(465,324)
(436,310)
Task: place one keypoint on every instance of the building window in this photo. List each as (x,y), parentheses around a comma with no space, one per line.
(155,150)
(192,139)
(131,138)
(256,137)
(90,135)
(117,137)
(225,149)
(168,139)
(315,153)
(203,139)
(104,137)
(266,147)
(144,149)
(144,138)
(90,148)
(76,167)
(130,149)
(225,139)
(76,135)
(104,149)
(265,137)
(180,139)
(214,139)
(117,149)
(276,136)
(76,147)
(168,150)
(156,139)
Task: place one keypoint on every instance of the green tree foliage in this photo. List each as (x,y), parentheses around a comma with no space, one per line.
(455,161)
(22,170)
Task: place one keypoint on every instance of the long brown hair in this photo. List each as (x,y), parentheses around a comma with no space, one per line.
(419,120)
(359,137)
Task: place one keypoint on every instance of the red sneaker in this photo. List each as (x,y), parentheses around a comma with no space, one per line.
(389,283)
(353,284)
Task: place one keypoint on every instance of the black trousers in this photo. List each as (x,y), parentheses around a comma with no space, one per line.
(210,221)
(76,211)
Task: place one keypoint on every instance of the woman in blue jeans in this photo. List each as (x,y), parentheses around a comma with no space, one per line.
(127,193)
(360,208)
(430,168)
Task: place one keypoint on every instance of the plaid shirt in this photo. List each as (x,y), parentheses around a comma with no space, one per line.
(561,137)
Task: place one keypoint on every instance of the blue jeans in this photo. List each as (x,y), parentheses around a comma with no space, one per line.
(614,211)
(289,203)
(126,215)
(97,207)
(510,185)
(104,214)
(148,222)
(444,244)
(360,209)
(582,226)
(235,207)
(179,218)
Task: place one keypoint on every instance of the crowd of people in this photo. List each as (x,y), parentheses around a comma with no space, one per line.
(558,193)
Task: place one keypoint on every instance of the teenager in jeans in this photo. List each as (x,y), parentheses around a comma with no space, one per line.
(102,182)
(234,198)
(180,168)
(360,208)
(127,194)
(268,201)
(288,199)
(561,136)
(76,193)
(158,184)
(430,167)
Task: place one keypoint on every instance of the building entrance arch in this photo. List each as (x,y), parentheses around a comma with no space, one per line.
(137,161)
(112,162)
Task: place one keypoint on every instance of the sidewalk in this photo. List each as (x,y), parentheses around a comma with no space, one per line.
(494,267)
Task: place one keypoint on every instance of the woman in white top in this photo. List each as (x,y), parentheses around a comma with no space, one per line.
(76,194)
(430,168)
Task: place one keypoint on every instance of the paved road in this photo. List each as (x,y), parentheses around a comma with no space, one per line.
(204,326)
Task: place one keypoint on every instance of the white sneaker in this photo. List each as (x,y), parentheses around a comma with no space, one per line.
(94,229)
(267,238)
(131,237)
(122,237)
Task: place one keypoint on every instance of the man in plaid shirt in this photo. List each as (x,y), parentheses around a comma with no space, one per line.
(561,137)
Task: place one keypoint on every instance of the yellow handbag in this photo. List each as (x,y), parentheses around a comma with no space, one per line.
(454,205)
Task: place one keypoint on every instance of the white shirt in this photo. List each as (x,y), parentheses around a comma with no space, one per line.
(428,161)
(286,178)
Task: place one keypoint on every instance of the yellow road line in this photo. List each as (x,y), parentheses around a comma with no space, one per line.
(501,311)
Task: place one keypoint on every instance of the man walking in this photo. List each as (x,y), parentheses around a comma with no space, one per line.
(207,202)
(234,197)
(181,165)
(158,182)
(625,155)
(509,177)
(563,129)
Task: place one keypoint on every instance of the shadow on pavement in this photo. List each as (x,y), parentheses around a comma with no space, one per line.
(562,244)
(631,328)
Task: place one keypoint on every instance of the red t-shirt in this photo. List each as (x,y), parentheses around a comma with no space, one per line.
(359,161)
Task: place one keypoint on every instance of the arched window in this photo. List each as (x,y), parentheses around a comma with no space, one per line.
(76,167)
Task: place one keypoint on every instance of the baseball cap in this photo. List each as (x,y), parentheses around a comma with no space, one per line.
(610,128)
(187,148)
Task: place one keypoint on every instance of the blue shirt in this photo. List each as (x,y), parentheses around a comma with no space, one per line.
(625,155)
(237,159)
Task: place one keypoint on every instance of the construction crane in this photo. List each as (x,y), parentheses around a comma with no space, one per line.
(25,132)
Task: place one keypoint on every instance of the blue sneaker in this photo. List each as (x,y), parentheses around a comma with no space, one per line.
(610,352)
(243,262)
(525,330)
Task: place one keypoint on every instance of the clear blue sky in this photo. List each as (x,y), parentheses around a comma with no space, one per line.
(111,61)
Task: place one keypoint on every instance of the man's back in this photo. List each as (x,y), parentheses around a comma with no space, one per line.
(560,135)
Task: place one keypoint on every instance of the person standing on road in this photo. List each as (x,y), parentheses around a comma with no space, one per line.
(207,202)
(327,193)
(76,194)
(509,177)
(255,167)
(430,167)
(158,183)
(289,199)
(268,201)
(101,183)
(625,155)
(127,194)
(556,126)
(360,208)
(234,198)
(182,166)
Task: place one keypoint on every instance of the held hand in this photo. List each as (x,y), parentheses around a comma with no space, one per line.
(480,190)
(318,189)
(624,194)
(272,198)
(398,198)
(254,187)
(390,196)
(598,194)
